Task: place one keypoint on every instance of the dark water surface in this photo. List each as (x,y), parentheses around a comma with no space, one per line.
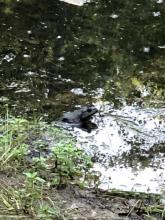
(55,56)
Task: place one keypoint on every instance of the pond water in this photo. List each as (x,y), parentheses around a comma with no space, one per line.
(128,148)
(56,56)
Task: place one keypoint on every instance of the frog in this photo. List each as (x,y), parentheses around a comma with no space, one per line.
(80,117)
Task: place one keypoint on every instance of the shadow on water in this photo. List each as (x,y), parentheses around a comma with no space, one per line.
(56,57)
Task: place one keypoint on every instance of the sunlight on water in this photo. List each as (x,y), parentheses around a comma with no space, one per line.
(75,2)
(140,180)
(127,148)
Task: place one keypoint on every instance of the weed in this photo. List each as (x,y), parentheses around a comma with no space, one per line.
(40,163)
(70,164)
(13,145)
(64,164)
(47,211)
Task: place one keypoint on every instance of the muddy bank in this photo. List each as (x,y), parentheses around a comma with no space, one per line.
(91,204)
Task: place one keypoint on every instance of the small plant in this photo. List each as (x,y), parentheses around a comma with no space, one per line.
(32,180)
(70,164)
(40,164)
(47,211)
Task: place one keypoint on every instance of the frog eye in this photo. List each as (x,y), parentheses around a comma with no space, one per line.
(89,110)
(65,120)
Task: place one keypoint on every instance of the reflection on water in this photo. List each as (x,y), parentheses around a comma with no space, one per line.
(55,56)
(142,180)
(49,48)
(75,2)
(128,146)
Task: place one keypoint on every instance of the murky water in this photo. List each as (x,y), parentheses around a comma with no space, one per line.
(56,56)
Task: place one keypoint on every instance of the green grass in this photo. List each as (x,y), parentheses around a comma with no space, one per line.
(63,164)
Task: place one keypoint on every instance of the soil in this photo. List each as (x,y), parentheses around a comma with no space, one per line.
(90,204)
